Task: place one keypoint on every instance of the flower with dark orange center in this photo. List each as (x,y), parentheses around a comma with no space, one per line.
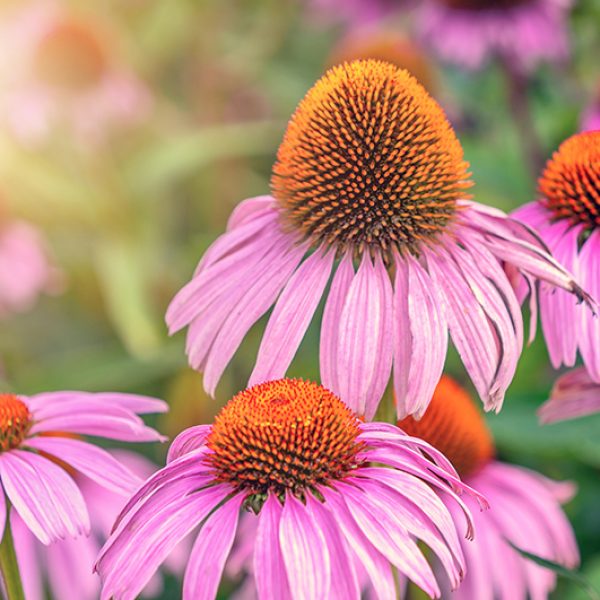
(567,218)
(524,509)
(331,501)
(369,160)
(369,184)
(15,421)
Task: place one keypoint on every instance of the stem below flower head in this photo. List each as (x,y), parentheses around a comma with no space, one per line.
(8,564)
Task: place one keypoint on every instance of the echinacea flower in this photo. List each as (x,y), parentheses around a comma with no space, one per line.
(37,448)
(369,172)
(59,70)
(26,270)
(332,497)
(470,32)
(65,567)
(575,394)
(524,511)
(567,218)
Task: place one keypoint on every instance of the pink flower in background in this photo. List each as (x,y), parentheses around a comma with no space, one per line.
(38,449)
(470,32)
(524,509)
(66,566)
(319,483)
(370,172)
(25,267)
(567,218)
(61,71)
(575,394)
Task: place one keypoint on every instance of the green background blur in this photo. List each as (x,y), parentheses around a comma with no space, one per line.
(128,219)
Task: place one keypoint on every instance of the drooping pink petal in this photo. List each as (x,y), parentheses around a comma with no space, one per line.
(92,461)
(304,552)
(2,514)
(290,318)
(269,568)
(188,440)
(574,394)
(44,495)
(328,347)
(248,210)
(211,549)
(26,549)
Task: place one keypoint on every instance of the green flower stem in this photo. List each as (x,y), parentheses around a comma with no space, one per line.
(9,566)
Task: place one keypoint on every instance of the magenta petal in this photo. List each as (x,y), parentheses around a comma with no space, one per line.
(269,568)
(45,497)
(328,352)
(304,552)
(213,544)
(291,317)
(92,461)
(188,440)
(27,549)
(2,513)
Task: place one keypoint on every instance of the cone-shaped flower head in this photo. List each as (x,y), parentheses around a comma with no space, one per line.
(371,175)
(470,32)
(336,502)
(567,218)
(524,505)
(39,454)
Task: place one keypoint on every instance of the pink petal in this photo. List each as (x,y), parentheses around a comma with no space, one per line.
(248,210)
(269,567)
(304,552)
(213,544)
(328,352)
(188,440)
(291,317)
(94,462)
(45,497)
(27,548)
(2,513)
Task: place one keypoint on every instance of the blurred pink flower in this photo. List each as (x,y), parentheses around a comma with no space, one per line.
(38,448)
(319,483)
(524,505)
(470,32)
(369,171)
(25,267)
(567,218)
(575,394)
(66,566)
(58,71)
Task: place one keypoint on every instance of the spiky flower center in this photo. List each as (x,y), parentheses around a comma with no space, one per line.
(71,56)
(481,5)
(454,426)
(369,160)
(15,421)
(570,183)
(285,436)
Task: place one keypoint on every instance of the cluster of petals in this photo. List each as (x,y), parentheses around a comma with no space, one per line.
(371,321)
(34,475)
(342,539)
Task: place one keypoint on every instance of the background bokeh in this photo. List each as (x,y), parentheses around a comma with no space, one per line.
(127,200)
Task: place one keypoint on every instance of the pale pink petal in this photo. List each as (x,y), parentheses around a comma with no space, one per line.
(589,339)
(2,513)
(45,497)
(27,549)
(304,552)
(269,568)
(248,210)
(328,347)
(290,318)
(92,461)
(188,440)
(213,544)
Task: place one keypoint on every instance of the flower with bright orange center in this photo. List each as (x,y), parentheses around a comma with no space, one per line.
(454,426)
(15,421)
(71,56)
(369,160)
(284,436)
(570,184)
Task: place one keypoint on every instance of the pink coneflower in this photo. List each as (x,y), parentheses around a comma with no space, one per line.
(37,448)
(370,172)
(567,218)
(320,484)
(524,505)
(575,394)
(66,566)
(62,70)
(26,270)
(470,32)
